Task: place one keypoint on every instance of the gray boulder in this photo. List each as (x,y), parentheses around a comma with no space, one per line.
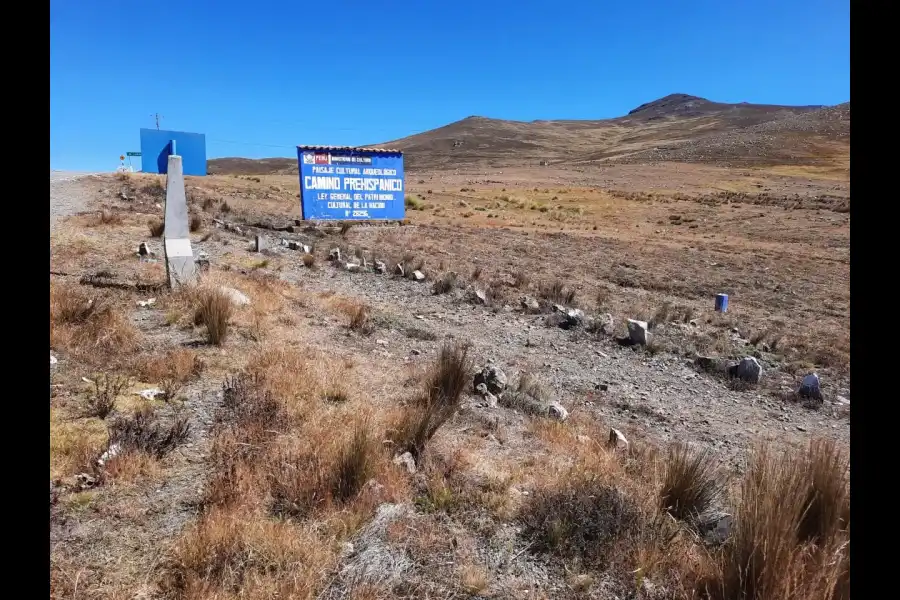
(749,370)
(493,378)
(810,387)
(638,332)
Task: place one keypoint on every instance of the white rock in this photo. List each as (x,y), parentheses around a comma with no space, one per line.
(151,393)
(147,303)
(419,275)
(557,411)
(112,452)
(638,332)
(352,267)
(406,459)
(617,439)
(53,360)
(380,267)
(237,297)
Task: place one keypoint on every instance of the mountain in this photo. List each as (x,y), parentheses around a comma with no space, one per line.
(678,127)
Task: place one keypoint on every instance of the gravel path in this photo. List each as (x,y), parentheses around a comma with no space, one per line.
(67,195)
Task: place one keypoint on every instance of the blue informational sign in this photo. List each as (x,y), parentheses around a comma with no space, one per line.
(351,184)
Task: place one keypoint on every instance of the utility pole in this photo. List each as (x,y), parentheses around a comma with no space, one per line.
(158,117)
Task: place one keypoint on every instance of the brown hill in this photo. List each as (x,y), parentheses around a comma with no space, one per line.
(677,127)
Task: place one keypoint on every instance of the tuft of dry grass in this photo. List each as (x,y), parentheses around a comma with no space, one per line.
(309,261)
(361,320)
(156,227)
(354,464)
(437,401)
(557,293)
(92,329)
(105,217)
(178,364)
(692,483)
(445,284)
(521,280)
(214,310)
(791,535)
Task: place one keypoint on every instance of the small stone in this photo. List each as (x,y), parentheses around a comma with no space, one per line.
(801,428)
(638,332)
(530,304)
(582,439)
(237,297)
(380,267)
(406,459)
(381,342)
(481,296)
(352,267)
(147,303)
(150,394)
(399,270)
(335,255)
(841,400)
(557,411)
(111,452)
(617,439)
(418,275)
(53,360)
(415,352)
(602,387)
(717,530)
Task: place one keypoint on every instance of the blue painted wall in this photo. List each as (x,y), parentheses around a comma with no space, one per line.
(156,148)
(351,185)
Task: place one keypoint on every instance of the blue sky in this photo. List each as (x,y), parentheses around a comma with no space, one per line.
(260,77)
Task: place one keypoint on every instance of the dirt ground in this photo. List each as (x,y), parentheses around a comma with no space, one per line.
(653,242)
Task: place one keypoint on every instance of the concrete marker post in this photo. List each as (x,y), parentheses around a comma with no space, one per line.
(180,267)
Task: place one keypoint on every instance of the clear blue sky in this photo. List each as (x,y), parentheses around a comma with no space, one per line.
(260,77)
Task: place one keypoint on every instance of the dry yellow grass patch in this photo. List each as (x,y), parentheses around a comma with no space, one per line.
(234,553)
(74,444)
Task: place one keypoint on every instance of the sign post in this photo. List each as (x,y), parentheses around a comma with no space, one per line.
(351,184)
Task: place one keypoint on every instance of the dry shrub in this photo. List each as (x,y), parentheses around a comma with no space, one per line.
(105,217)
(196,223)
(361,320)
(438,400)
(692,483)
(179,365)
(214,310)
(521,280)
(248,404)
(102,400)
(156,227)
(445,284)
(309,261)
(557,293)
(143,432)
(132,466)
(476,273)
(791,532)
(582,517)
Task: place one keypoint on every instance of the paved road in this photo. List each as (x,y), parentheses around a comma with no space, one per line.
(66,195)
